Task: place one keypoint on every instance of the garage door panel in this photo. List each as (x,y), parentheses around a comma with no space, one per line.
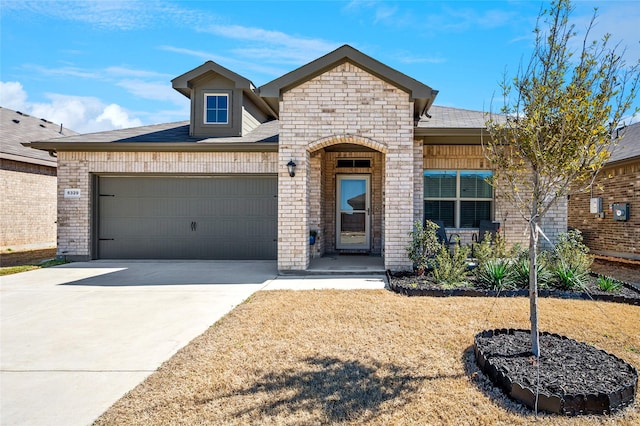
(187,218)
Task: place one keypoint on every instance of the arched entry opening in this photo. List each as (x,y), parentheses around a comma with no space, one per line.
(346,203)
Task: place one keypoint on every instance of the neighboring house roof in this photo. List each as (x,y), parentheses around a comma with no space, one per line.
(628,146)
(421,94)
(166,137)
(17,128)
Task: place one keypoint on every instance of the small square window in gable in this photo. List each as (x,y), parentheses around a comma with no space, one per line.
(216,110)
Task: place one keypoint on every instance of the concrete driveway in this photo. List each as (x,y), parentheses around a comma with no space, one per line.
(76,338)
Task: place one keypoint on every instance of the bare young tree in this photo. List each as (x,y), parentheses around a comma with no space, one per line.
(555,131)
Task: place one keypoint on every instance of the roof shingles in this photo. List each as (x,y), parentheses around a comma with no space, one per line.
(628,146)
(17,128)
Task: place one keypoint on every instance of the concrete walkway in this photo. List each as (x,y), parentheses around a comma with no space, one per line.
(76,338)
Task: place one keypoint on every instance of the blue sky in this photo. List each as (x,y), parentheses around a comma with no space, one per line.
(103,64)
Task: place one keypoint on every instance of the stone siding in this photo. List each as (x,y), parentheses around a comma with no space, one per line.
(606,236)
(28,219)
(344,103)
(75,170)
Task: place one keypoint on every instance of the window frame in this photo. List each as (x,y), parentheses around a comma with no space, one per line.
(459,199)
(205,109)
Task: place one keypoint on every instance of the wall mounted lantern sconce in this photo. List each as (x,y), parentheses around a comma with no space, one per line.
(291,167)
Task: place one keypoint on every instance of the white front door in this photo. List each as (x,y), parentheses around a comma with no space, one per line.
(353,206)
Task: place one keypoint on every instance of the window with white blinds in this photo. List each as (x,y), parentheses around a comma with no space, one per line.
(459,198)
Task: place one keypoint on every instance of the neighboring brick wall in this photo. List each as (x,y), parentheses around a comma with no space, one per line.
(75,170)
(615,184)
(28,203)
(342,103)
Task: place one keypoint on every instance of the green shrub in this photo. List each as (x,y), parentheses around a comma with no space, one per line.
(609,284)
(491,248)
(424,245)
(569,278)
(521,271)
(571,252)
(450,268)
(496,274)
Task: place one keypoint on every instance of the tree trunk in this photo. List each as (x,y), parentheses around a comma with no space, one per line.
(533,286)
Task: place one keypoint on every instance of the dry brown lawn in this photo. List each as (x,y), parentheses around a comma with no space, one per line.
(362,357)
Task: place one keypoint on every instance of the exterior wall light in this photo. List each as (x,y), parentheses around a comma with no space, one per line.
(291,167)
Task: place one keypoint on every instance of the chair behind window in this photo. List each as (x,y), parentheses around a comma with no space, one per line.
(441,233)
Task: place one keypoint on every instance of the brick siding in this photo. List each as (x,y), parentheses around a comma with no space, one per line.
(28,219)
(344,105)
(513,226)
(606,236)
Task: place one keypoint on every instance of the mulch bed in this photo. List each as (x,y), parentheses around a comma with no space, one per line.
(574,378)
(569,377)
(413,285)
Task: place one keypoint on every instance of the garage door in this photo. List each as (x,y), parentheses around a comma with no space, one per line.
(217,217)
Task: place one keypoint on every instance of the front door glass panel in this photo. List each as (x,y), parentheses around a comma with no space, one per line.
(353,212)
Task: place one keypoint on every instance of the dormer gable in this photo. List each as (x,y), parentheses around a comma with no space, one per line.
(223,103)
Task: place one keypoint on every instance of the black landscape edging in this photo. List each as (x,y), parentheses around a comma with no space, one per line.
(570,405)
(473,292)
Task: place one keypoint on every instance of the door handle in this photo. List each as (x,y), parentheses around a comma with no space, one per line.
(194,226)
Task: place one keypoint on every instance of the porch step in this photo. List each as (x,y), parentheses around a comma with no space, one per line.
(346,265)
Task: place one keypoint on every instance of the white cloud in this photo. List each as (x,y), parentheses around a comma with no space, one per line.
(130,72)
(274,45)
(12,95)
(82,114)
(408,58)
(620,19)
(190,52)
(120,15)
(67,71)
(117,117)
(158,91)
(237,65)
(385,13)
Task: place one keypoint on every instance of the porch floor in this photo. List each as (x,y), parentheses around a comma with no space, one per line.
(346,264)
